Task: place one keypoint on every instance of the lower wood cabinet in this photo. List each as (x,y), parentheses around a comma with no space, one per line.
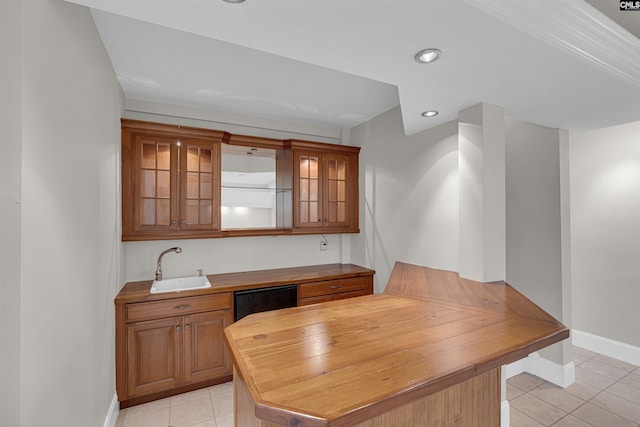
(171,354)
(171,343)
(331,290)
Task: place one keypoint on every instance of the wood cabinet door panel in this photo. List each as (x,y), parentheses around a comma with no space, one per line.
(153,362)
(205,352)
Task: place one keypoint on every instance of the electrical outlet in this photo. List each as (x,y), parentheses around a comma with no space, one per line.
(324,245)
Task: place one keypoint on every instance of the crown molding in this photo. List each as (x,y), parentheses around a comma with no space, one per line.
(574,27)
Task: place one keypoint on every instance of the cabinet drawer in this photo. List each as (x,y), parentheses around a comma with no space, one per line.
(177,307)
(332,297)
(328,287)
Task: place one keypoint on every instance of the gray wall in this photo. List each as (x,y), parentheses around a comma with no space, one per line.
(65,146)
(408,196)
(534,217)
(605,232)
(11,56)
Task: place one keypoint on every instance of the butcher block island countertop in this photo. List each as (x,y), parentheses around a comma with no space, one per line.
(426,352)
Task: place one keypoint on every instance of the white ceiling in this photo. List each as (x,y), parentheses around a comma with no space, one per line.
(338,63)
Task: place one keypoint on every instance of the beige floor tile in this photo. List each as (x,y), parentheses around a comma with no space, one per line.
(222,400)
(618,405)
(582,391)
(191,412)
(208,423)
(226,421)
(593,379)
(571,421)
(525,381)
(537,409)
(179,399)
(221,388)
(148,407)
(120,419)
(615,362)
(513,391)
(599,417)
(581,355)
(557,397)
(632,380)
(625,391)
(158,418)
(604,369)
(518,419)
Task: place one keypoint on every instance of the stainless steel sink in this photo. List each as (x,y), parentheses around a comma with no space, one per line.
(178,284)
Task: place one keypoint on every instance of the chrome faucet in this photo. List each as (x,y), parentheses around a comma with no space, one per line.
(159,266)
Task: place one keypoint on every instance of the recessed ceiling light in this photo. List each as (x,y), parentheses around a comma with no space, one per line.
(234,1)
(427,55)
(429,113)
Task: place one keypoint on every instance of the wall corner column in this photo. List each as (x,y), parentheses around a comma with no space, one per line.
(481,162)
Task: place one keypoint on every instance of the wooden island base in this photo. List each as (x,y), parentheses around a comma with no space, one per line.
(471,403)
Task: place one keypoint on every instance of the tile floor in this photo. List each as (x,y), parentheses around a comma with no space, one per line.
(606,394)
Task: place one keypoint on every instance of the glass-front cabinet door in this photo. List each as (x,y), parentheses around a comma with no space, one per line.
(336,214)
(308,166)
(200,177)
(155,166)
(325,189)
(170,181)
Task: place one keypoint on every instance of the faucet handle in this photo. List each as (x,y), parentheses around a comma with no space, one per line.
(200,273)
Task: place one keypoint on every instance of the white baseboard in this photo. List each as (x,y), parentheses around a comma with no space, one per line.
(504,414)
(616,349)
(560,375)
(112,415)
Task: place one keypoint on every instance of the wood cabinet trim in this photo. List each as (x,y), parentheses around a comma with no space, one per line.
(141,126)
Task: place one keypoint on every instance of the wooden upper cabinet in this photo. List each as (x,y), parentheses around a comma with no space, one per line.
(325,187)
(172,184)
(170,181)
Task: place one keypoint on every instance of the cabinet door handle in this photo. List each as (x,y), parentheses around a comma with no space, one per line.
(178,328)
(186,327)
(335,287)
(174,222)
(184,221)
(182,306)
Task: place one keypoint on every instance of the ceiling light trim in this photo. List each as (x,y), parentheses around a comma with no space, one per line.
(427,56)
(575,27)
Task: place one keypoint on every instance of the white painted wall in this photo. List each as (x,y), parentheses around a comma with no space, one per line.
(71,104)
(408,196)
(605,232)
(231,254)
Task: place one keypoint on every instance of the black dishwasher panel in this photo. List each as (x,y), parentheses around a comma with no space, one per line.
(264,299)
